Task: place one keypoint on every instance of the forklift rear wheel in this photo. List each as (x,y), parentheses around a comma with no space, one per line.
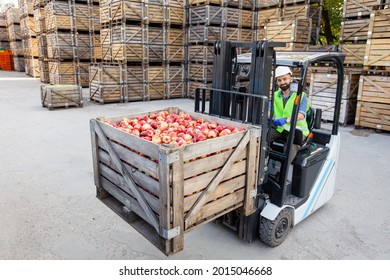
(273,233)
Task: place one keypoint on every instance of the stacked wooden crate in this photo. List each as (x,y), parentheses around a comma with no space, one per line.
(4,38)
(29,38)
(322,93)
(15,37)
(69,46)
(296,23)
(143,44)
(373,108)
(210,21)
(40,24)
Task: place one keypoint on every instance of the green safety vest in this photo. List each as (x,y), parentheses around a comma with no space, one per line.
(280,112)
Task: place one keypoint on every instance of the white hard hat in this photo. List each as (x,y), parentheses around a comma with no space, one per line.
(282,70)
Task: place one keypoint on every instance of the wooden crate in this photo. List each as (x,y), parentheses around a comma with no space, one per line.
(32,67)
(165,192)
(4,34)
(194,3)
(39,18)
(58,16)
(174,36)
(155,91)
(378,41)
(354,53)
(81,16)
(203,54)
(3,20)
(373,115)
(14,32)
(269,3)
(105,11)
(44,71)
(63,72)
(17,48)
(207,15)
(128,52)
(28,27)
(354,30)
(135,83)
(200,72)
(359,8)
(26,9)
(374,89)
(290,31)
(30,46)
(269,15)
(121,10)
(12,16)
(175,81)
(19,63)
(205,34)
(174,53)
(322,94)
(61,96)
(175,15)
(193,85)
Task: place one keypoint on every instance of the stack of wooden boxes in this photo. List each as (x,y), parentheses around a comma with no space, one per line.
(294,22)
(29,38)
(40,24)
(373,108)
(142,51)
(4,38)
(210,21)
(15,37)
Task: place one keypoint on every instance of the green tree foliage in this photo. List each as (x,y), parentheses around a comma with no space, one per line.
(332,13)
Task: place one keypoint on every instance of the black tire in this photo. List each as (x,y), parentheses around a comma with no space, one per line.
(273,233)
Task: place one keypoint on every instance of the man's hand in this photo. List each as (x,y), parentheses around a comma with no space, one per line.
(280,121)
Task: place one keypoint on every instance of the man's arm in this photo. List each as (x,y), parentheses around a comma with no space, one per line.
(302,109)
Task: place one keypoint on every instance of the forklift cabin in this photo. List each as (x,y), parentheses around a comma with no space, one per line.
(241,91)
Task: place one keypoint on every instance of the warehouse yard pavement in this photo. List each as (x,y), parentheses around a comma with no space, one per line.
(49,209)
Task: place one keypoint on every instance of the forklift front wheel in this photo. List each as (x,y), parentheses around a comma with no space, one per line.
(273,233)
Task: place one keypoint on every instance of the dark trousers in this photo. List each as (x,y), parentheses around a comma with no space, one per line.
(276,135)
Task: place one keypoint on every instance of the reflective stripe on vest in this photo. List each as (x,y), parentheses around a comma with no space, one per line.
(280,112)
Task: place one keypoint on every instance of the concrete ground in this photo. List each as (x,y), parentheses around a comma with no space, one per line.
(48,208)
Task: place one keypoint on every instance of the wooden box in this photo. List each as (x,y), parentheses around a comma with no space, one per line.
(354,54)
(58,16)
(175,81)
(207,15)
(61,96)
(201,54)
(44,71)
(359,8)
(164,192)
(28,27)
(354,31)
(12,16)
(378,41)
(200,72)
(15,32)
(373,115)
(374,89)
(290,31)
(32,67)
(121,10)
(106,82)
(322,94)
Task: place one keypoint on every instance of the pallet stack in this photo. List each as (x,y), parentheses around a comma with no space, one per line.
(292,21)
(373,108)
(4,38)
(15,37)
(210,21)
(29,38)
(40,23)
(142,49)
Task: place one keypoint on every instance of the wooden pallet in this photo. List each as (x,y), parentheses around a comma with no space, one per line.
(134,175)
(61,96)
(378,50)
(374,89)
(373,115)
(354,30)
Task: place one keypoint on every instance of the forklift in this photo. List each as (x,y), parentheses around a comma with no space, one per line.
(287,193)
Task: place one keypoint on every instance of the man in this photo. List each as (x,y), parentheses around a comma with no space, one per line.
(283,106)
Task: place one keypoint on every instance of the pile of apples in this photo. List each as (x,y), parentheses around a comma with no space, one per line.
(175,129)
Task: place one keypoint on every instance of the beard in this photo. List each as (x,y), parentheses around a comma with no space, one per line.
(285,87)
